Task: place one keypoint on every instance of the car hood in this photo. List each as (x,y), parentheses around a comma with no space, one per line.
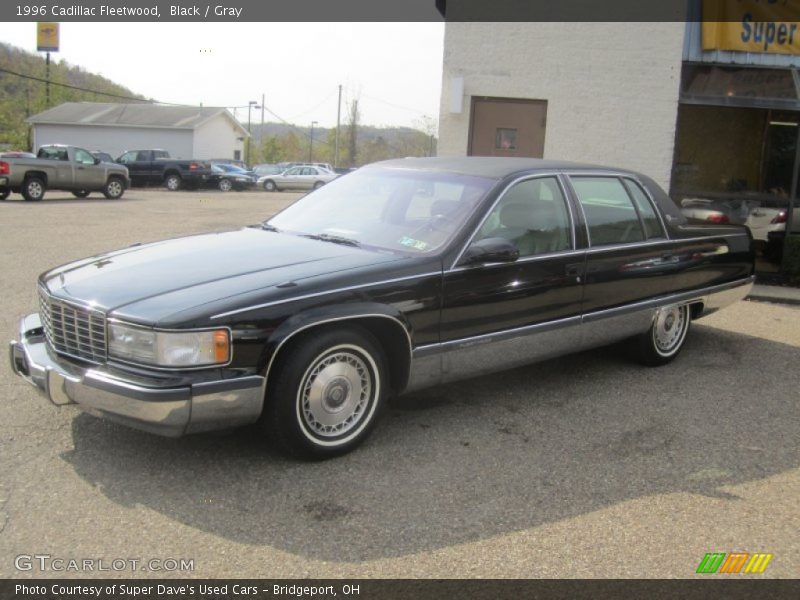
(150,282)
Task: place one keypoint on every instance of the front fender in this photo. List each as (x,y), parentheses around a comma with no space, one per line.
(317,317)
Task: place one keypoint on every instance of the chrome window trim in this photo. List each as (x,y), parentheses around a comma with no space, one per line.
(323,293)
(112,359)
(658,242)
(553,174)
(526,259)
(653,204)
(334,320)
(683,297)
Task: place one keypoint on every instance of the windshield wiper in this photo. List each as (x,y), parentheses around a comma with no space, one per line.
(267,227)
(336,239)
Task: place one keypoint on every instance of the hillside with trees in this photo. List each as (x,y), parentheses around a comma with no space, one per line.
(21,97)
(23,93)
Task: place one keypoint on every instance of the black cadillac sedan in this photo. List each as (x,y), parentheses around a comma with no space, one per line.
(401,275)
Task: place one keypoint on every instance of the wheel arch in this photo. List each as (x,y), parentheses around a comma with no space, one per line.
(40,174)
(388,326)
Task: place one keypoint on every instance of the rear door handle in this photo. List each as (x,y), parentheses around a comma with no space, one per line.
(575,270)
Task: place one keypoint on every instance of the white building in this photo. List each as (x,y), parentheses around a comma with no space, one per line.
(184,131)
(708,110)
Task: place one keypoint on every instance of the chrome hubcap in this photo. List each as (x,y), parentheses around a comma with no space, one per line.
(335,394)
(35,189)
(114,188)
(669,328)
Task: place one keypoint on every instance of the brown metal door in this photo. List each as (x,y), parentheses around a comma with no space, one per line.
(507,127)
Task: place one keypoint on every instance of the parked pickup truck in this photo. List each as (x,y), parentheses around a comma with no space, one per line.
(155,167)
(60,167)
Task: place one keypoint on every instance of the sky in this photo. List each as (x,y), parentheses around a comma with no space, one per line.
(394,69)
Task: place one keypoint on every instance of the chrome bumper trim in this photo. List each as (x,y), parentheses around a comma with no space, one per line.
(171,411)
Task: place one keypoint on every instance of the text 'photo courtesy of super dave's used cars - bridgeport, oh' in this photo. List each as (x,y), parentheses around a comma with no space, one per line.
(401,275)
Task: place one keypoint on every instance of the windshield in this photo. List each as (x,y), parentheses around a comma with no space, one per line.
(394,209)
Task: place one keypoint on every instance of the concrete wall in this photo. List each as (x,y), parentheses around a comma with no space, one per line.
(115,140)
(611,88)
(218,138)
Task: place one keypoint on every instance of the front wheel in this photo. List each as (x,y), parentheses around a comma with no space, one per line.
(225,185)
(665,338)
(114,189)
(33,189)
(4,194)
(327,392)
(173,182)
(80,193)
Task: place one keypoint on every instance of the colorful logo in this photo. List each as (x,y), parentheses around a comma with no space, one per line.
(734,562)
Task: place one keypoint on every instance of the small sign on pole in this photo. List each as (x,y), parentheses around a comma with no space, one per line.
(47,37)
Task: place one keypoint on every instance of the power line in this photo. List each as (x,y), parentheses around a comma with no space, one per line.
(83,89)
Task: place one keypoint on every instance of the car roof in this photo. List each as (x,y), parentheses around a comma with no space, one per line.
(489,166)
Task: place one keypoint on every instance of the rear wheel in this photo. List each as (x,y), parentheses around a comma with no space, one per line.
(114,188)
(318,184)
(80,193)
(327,393)
(225,185)
(33,189)
(4,194)
(665,338)
(270,186)
(173,182)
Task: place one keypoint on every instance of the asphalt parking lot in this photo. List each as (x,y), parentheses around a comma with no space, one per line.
(586,466)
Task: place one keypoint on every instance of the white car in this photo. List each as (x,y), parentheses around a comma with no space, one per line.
(297,178)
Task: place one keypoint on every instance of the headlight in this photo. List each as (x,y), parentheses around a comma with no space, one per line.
(169,348)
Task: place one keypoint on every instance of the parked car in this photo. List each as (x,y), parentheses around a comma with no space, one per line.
(297,178)
(102,156)
(155,167)
(60,167)
(229,161)
(306,323)
(267,169)
(776,234)
(228,177)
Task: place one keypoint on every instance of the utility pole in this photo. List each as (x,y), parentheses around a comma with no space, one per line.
(47,76)
(250,105)
(311,143)
(338,121)
(261,131)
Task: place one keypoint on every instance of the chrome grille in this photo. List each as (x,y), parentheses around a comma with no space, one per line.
(72,330)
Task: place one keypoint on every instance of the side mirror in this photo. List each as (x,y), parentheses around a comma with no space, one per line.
(96,161)
(491,250)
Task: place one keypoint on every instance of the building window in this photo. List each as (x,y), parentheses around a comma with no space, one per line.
(237,155)
(505,139)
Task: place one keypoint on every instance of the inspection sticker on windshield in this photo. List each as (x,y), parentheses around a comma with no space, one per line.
(412,243)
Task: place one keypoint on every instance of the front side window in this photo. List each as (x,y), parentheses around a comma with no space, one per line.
(128,157)
(532,215)
(609,211)
(83,157)
(407,211)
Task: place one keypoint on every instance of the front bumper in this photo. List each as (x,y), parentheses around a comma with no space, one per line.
(157,408)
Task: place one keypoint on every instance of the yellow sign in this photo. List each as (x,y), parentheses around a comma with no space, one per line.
(764,26)
(47,37)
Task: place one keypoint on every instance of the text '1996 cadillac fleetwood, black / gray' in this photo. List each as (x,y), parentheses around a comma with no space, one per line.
(401,275)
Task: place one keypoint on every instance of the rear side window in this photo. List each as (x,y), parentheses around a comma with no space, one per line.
(609,211)
(652,225)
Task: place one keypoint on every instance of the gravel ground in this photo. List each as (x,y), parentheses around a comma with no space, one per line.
(585,466)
